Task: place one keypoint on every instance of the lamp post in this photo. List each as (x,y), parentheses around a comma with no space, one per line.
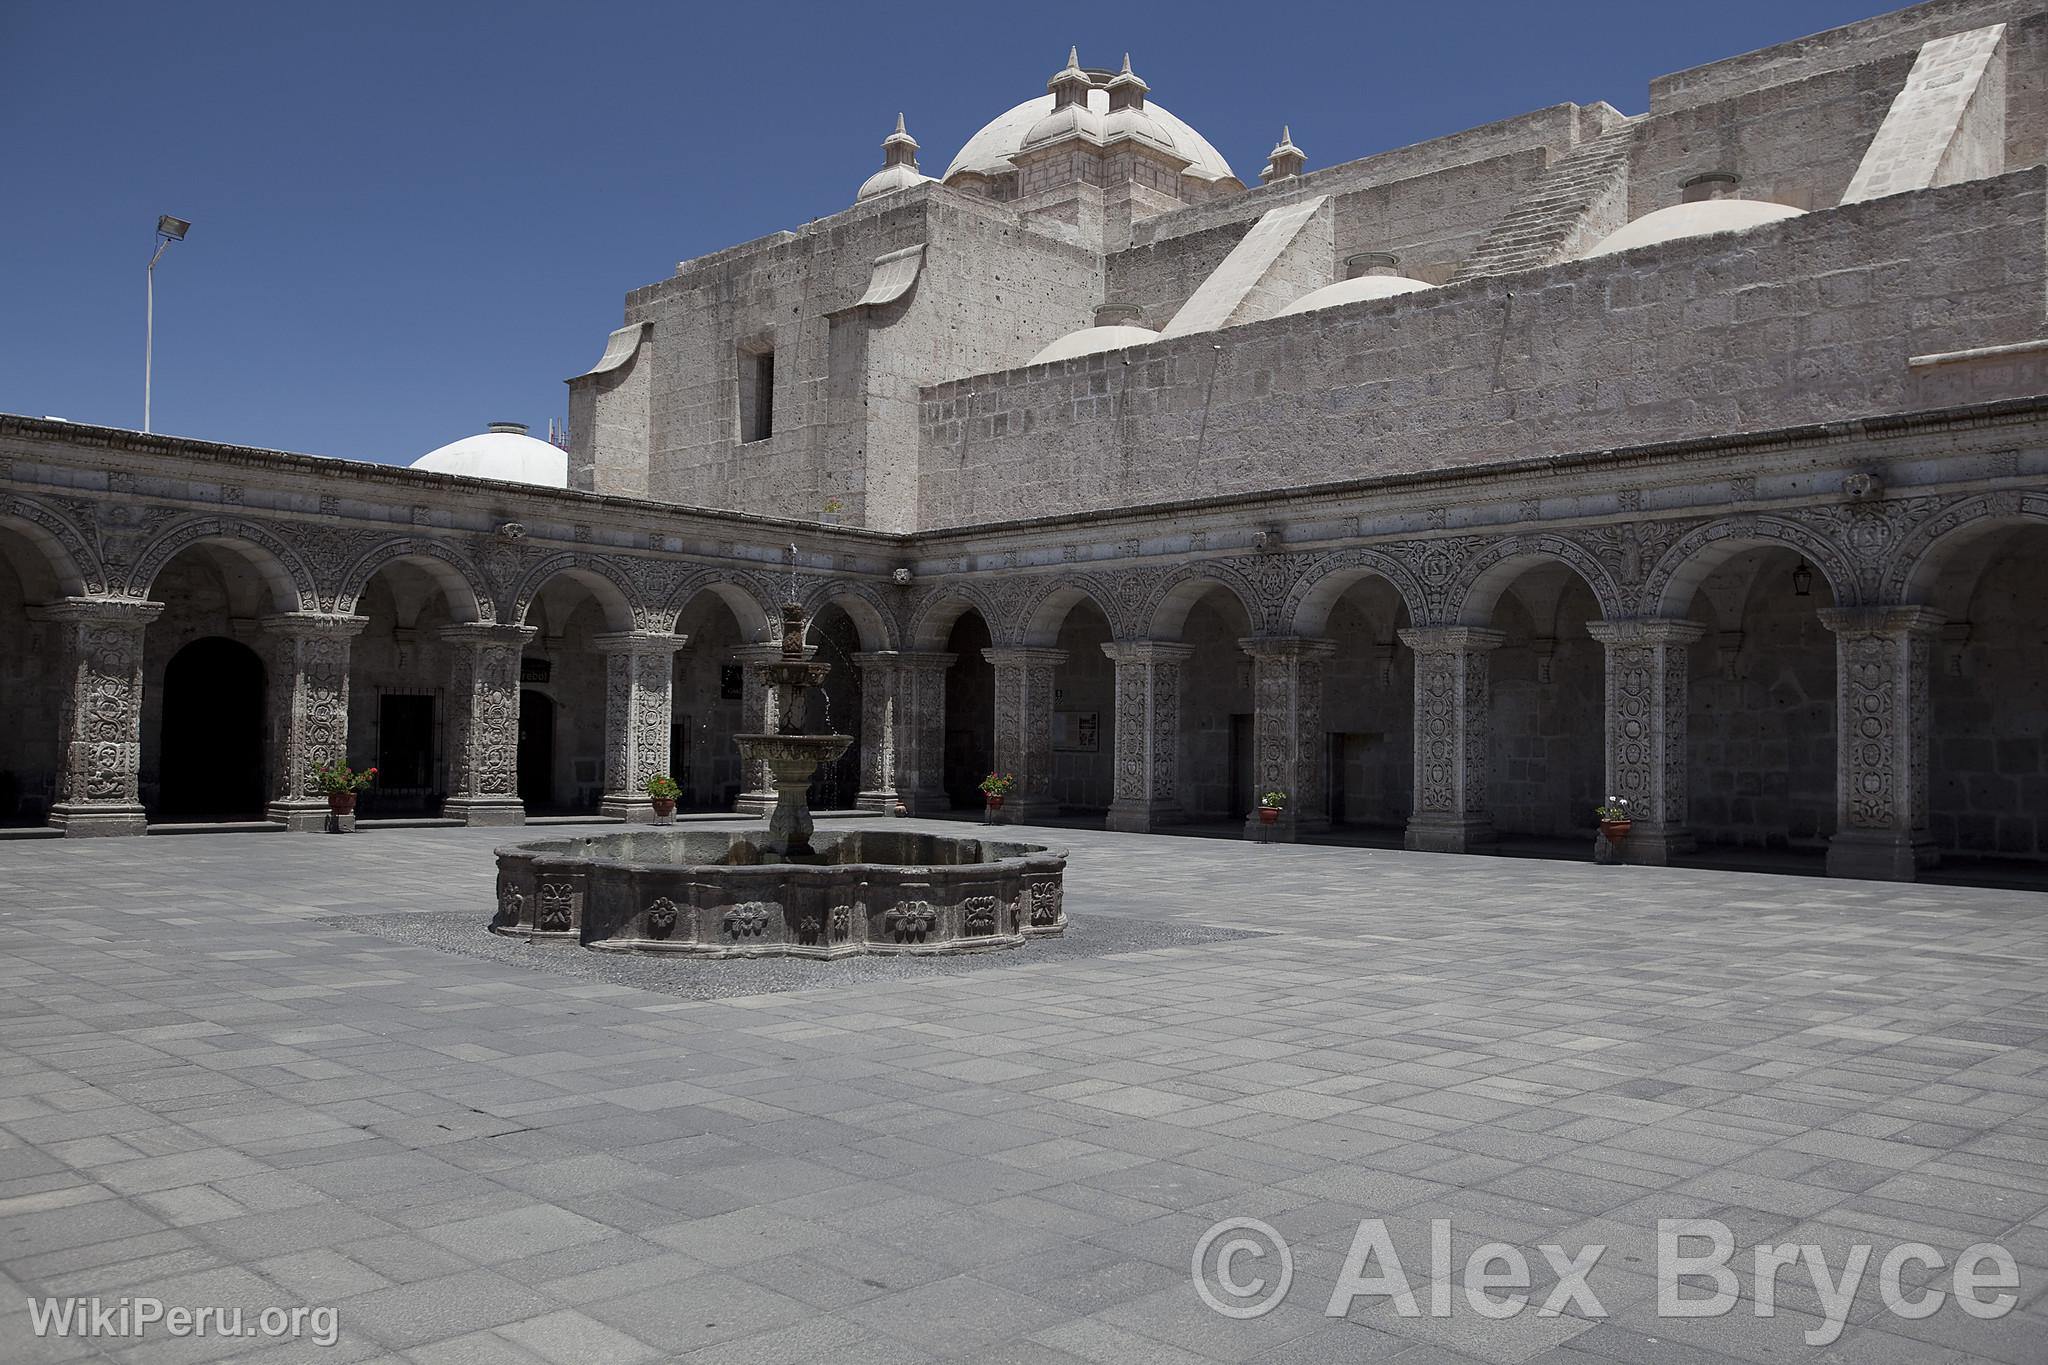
(168,230)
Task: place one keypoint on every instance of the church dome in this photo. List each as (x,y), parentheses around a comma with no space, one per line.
(1090,340)
(890,179)
(506,453)
(989,151)
(1353,291)
(1698,219)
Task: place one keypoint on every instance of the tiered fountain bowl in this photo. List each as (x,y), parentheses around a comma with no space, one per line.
(783,891)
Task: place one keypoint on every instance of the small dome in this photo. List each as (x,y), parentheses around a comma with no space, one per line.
(989,151)
(890,179)
(1698,219)
(505,453)
(1353,291)
(1091,340)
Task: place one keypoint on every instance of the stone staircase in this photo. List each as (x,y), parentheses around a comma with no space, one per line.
(1590,177)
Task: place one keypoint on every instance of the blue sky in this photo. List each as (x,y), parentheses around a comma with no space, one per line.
(413,219)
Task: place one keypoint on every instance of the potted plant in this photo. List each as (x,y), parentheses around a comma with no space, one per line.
(340,783)
(996,786)
(828,515)
(1270,806)
(1614,818)
(663,791)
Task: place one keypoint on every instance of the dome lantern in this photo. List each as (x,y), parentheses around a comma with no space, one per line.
(899,165)
(1285,161)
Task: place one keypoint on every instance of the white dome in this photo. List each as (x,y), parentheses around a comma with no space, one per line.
(505,453)
(1692,220)
(890,179)
(989,151)
(1353,291)
(1090,340)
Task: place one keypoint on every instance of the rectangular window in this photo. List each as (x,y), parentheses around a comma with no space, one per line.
(757,392)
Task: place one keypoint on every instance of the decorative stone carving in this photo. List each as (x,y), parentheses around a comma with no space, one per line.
(842,923)
(1882,664)
(748,920)
(1147,769)
(882,713)
(1290,747)
(978,915)
(1452,698)
(483,723)
(1648,665)
(912,924)
(1045,904)
(99,726)
(759,715)
(555,910)
(308,709)
(639,669)
(1023,726)
(661,918)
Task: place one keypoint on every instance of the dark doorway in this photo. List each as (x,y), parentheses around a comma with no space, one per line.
(211,765)
(405,756)
(536,750)
(1243,764)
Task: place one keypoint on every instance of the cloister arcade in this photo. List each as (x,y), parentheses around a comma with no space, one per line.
(1747,683)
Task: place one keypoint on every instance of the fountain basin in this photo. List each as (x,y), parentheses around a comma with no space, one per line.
(722,895)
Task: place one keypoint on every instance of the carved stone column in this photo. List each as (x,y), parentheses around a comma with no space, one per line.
(639,673)
(1147,768)
(882,718)
(1882,658)
(308,709)
(1452,701)
(758,716)
(1023,727)
(921,731)
(1649,664)
(483,724)
(98,642)
(1291,750)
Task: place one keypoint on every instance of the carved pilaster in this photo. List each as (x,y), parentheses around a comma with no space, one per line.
(1023,726)
(99,717)
(1291,749)
(884,725)
(639,673)
(921,730)
(483,724)
(1452,704)
(1649,663)
(308,709)
(1147,770)
(1883,656)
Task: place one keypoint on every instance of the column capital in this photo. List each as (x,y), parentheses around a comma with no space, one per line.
(1451,639)
(1287,646)
(108,611)
(1882,620)
(1147,651)
(484,633)
(1024,655)
(638,642)
(1645,631)
(305,625)
(904,658)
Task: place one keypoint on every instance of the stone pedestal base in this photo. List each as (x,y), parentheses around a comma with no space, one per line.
(634,810)
(87,820)
(1142,817)
(1880,857)
(301,814)
(1025,810)
(1291,826)
(1438,834)
(754,803)
(1648,847)
(484,810)
(881,803)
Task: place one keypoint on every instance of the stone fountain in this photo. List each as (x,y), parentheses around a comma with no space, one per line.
(791,755)
(786,891)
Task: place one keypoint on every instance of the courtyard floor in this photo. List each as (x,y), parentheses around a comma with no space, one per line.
(214,1090)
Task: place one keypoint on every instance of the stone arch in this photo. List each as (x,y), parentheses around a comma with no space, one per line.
(1910,575)
(283,571)
(870,613)
(68,567)
(1166,608)
(933,619)
(754,609)
(622,607)
(1040,616)
(469,597)
(1487,575)
(1307,609)
(1668,590)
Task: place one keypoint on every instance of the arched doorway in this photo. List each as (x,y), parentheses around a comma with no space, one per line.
(1369,707)
(970,711)
(211,765)
(31,684)
(1547,737)
(1218,767)
(536,750)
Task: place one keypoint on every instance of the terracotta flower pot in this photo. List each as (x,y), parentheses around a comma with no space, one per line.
(664,806)
(1269,815)
(1615,830)
(341,803)
(994,802)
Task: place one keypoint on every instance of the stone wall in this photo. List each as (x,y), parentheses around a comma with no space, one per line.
(1808,320)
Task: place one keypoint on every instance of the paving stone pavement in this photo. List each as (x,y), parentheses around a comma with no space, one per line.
(209,1096)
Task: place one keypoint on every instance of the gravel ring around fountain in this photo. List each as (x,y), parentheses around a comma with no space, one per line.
(464,933)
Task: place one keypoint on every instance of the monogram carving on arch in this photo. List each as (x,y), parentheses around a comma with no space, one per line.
(1804,538)
(355,580)
(1921,548)
(84,565)
(160,551)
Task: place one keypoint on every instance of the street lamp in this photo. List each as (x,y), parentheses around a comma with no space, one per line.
(168,230)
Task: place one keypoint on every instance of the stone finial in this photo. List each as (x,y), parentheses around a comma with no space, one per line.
(1285,160)
(1126,91)
(899,148)
(1069,85)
